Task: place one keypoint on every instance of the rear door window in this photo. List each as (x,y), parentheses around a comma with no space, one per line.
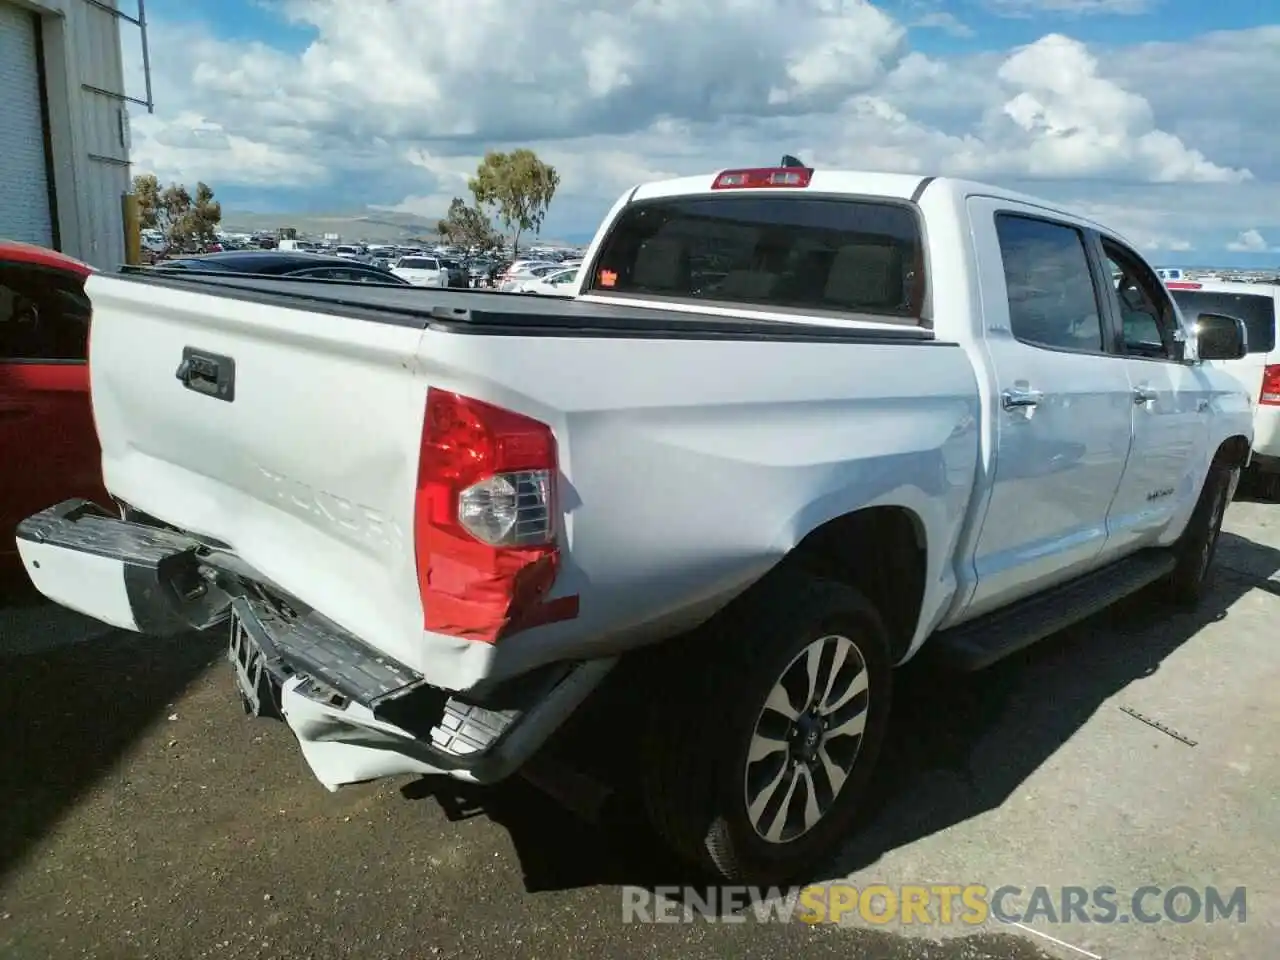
(788,253)
(1256,310)
(1053,303)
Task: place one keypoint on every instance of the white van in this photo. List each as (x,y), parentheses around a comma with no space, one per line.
(1258,305)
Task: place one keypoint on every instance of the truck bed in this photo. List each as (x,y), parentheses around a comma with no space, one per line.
(491,312)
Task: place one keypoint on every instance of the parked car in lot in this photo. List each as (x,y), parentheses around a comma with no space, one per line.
(50,449)
(479,271)
(384,257)
(457,274)
(908,415)
(513,268)
(298,246)
(352,252)
(518,274)
(430,271)
(557,283)
(297,265)
(1258,304)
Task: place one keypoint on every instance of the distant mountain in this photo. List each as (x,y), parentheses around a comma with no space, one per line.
(367,226)
(371,226)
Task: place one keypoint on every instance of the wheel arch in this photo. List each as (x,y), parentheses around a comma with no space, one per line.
(883,551)
(1233,452)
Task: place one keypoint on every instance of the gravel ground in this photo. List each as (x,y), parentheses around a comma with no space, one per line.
(148,817)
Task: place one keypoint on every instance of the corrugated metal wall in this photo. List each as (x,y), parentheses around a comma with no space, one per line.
(93,41)
(24,184)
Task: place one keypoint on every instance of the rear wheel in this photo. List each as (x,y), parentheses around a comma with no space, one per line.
(756,771)
(1192,578)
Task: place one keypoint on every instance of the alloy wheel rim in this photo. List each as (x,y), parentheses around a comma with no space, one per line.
(806,739)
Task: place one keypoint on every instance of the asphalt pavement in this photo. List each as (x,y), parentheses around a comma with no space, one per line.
(146,816)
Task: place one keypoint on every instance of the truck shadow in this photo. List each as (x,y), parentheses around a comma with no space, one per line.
(962,745)
(959,745)
(77,695)
(1258,488)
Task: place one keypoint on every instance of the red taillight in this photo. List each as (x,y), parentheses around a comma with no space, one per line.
(763,177)
(1270,394)
(1183,285)
(485,521)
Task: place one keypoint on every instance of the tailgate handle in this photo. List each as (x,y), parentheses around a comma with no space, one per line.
(208,373)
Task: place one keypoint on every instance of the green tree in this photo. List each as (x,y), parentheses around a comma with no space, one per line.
(146,187)
(518,187)
(183,220)
(468,227)
(203,217)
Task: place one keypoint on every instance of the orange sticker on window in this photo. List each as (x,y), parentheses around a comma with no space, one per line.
(608,278)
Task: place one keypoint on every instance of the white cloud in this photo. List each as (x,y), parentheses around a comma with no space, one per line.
(1250,241)
(946,22)
(190,147)
(1031,8)
(1083,124)
(1055,118)
(397,102)
(1152,230)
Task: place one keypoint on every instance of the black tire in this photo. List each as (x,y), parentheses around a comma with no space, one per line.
(696,744)
(1192,578)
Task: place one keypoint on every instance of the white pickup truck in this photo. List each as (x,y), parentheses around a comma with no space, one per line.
(794,426)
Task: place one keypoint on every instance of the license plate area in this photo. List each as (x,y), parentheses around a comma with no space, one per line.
(258,669)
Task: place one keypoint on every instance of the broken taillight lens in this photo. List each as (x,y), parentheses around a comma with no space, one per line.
(485,528)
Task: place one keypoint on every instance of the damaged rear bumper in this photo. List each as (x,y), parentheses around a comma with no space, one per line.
(357,714)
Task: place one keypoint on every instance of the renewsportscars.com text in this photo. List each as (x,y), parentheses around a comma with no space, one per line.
(935,904)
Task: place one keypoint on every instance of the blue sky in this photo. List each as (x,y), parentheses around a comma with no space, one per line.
(1156,116)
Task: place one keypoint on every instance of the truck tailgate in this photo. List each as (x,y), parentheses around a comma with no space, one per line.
(305,464)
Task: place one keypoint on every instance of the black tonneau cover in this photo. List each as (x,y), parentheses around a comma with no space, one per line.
(510,314)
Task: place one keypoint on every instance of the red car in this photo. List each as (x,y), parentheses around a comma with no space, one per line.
(48,445)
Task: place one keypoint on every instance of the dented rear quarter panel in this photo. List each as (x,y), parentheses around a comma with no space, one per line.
(689,468)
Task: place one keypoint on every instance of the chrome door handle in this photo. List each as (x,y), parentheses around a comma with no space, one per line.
(1144,395)
(1014,399)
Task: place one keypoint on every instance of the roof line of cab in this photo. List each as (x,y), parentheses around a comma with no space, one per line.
(907,187)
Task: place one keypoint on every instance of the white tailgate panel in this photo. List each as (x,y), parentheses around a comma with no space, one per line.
(309,474)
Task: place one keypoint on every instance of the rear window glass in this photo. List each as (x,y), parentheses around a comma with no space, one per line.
(1257,312)
(417,263)
(783,252)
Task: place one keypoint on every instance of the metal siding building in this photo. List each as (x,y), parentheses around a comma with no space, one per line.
(64,142)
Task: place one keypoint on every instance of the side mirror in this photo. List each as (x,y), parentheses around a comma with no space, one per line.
(1220,337)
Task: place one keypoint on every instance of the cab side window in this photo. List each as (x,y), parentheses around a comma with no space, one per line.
(1146,311)
(1052,300)
(44,316)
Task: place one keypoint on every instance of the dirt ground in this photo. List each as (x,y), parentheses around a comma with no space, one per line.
(146,816)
